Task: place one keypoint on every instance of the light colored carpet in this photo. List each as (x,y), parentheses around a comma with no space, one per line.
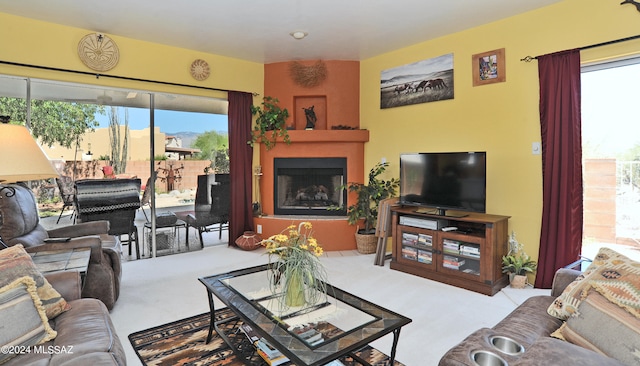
(159,290)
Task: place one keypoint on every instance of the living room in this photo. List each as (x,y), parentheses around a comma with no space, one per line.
(501,119)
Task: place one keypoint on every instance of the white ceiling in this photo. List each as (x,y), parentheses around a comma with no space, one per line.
(259,30)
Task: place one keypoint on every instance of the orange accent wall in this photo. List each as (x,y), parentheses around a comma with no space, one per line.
(340,91)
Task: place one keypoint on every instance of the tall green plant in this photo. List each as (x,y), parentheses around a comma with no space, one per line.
(119,145)
(270,123)
(369,197)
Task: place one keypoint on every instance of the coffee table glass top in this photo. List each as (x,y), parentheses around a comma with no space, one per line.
(316,334)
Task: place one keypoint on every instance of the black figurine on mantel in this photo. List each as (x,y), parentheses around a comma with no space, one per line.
(311,118)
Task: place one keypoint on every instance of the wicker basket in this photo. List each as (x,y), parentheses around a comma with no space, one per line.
(367,244)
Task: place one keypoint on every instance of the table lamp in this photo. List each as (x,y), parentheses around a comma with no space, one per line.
(21,159)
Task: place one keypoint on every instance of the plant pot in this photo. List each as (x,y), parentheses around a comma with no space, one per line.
(366,243)
(518,281)
(294,292)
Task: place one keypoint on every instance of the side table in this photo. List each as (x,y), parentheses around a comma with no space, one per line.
(72,259)
(146,230)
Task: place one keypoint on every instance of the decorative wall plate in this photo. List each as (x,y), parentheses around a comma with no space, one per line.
(98,52)
(200,69)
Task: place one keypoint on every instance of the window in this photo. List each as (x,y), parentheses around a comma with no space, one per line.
(611,157)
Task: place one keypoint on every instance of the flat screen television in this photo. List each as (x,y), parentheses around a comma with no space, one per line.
(444,181)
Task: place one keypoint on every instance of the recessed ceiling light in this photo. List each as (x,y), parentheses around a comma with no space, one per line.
(298,34)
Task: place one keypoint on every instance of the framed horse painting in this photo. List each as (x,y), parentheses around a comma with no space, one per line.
(488,67)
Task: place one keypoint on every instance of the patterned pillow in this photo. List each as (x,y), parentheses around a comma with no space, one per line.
(15,262)
(620,285)
(23,322)
(603,327)
(567,303)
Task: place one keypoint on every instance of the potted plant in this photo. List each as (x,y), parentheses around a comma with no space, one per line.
(366,206)
(517,264)
(270,123)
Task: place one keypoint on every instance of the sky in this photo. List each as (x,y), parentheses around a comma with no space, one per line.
(171,121)
(610,120)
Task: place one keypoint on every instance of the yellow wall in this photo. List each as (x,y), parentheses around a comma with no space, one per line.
(99,143)
(40,43)
(501,119)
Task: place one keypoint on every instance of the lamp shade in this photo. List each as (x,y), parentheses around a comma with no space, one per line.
(21,158)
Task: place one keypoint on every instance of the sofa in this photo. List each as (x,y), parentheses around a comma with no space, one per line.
(85,333)
(580,323)
(20,224)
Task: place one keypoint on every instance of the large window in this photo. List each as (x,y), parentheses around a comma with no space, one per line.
(611,157)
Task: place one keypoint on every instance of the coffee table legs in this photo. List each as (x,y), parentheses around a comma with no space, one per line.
(392,356)
(212,320)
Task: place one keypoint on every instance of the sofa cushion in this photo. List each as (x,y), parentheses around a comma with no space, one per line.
(88,327)
(567,303)
(15,262)
(603,327)
(551,351)
(23,322)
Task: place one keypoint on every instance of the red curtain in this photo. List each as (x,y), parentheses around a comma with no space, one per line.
(560,120)
(240,167)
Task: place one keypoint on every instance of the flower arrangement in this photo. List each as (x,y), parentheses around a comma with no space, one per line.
(297,269)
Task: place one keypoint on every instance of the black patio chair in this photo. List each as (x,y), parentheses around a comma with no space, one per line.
(114,200)
(211,211)
(68,194)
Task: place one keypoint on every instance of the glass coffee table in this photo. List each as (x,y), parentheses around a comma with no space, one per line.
(341,323)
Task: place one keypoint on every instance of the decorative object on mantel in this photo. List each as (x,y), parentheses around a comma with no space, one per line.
(200,69)
(249,240)
(270,123)
(297,272)
(637,4)
(308,76)
(311,118)
(517,263)
(98,52)
(344,127)
(367,204)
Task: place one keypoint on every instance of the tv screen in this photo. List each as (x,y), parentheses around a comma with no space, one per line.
(444,181)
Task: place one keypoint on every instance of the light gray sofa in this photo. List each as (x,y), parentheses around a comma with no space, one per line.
(530,326)
(86,335)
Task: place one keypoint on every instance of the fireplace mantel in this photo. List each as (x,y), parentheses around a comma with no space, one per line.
(328,136)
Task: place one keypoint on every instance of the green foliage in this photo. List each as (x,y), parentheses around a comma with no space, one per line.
(160,157)
(518,263)
(53,122)
(209,143)
(369,197)
(270,123)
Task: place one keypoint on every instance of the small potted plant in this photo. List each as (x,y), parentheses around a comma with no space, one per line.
(517,264)
(270,123)
(366,206)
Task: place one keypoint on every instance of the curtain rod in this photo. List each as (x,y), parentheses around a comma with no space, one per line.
(97,75)
(530,58)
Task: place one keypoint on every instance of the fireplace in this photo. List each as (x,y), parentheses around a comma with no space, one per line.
(309,186)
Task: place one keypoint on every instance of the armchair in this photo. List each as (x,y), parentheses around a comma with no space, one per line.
(20,224)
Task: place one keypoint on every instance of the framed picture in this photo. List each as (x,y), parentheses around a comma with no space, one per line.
(488,67)
(424,81)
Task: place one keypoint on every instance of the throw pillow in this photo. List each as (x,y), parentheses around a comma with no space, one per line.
(567,303)
(15,262)
(603,327)
(23,322)
(620,285)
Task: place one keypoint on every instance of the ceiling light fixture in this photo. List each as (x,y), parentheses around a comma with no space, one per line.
(298,34)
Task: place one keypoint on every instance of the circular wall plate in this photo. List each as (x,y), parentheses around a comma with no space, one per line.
(98,52)
(200,69)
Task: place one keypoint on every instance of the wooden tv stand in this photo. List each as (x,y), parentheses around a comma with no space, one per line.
(469,257)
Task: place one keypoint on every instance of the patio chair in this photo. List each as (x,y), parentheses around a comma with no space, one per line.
(211,213)
(114,200)
(146,195)
(67,193)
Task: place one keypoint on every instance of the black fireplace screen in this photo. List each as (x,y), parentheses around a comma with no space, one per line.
(310,186)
